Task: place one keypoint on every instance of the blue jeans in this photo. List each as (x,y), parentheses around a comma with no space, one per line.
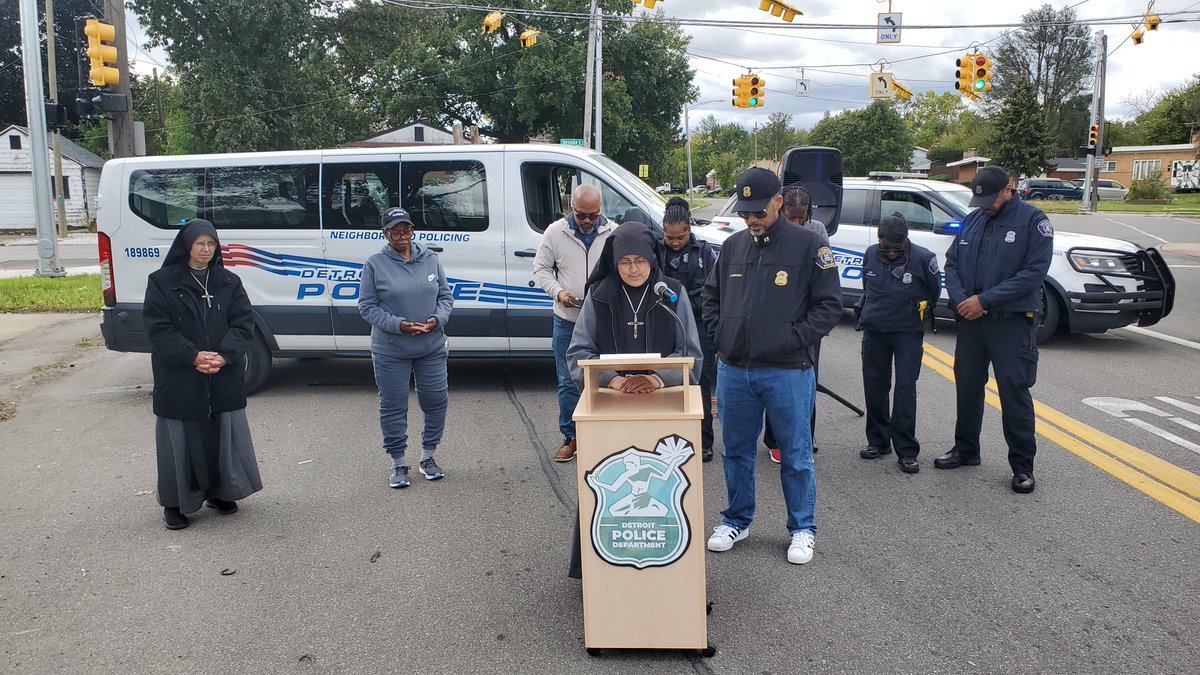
(786,396)
(392,375)
(568,393)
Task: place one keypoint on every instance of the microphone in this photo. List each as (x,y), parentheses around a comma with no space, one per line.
(662,290)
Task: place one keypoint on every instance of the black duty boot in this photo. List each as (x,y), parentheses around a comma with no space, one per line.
(174,519)
(223,507)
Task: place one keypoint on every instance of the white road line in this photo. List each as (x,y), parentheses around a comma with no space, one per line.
(1104,336)
(1193,222)
(1184,267)
(1194,409)
(1137,230)
(1161,336)
(1182,442)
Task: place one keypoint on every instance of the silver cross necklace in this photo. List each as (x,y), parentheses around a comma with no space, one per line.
(635,323)
(204,284)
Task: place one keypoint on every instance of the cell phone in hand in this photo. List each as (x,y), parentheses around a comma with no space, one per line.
(576,302)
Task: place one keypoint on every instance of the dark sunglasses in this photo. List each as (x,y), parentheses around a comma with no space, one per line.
(891,249)
(746,214)
(587,216)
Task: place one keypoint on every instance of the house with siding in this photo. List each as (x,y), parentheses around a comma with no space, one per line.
(1179,164)
(81,180)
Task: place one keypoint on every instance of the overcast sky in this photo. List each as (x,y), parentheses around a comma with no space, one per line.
(836,60)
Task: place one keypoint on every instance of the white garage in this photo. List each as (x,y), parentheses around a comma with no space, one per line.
(81,180)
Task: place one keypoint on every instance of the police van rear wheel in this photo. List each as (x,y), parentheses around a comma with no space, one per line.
(258,363)
(1051,313)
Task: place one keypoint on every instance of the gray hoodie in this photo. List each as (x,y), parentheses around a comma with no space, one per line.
(393,290)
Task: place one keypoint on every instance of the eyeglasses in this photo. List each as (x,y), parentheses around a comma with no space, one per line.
(205,244)
(631,263)
(891,249)
(745,215)
(399,231)
(587,216)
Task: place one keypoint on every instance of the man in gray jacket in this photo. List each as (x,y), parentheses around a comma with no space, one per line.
(565,257)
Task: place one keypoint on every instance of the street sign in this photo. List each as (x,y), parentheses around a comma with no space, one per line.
(881,85)
(889,28)
(571,141)
(643,170)
(802,87)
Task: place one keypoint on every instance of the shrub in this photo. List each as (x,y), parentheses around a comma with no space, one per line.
(1150,187)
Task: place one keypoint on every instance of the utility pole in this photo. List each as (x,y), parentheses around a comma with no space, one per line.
(1090,193)
(39,164)
(687,144)
(162,122)
(120,124)
(588,77)
(56,138)
(599,83)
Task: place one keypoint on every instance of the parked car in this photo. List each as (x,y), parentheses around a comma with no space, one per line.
(1048,188)
(1111,190)
(663,189)
(1094,284)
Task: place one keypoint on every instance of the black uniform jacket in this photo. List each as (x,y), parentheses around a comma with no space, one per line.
(771,298)
(1002,258)
(893,289)
(178,329)
(695,261)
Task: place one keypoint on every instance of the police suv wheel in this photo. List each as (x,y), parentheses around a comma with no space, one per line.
(1051,315)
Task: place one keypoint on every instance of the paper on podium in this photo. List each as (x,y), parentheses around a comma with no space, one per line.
(640,357)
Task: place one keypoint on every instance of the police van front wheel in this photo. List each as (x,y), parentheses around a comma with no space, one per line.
(258,363)
(1051,313)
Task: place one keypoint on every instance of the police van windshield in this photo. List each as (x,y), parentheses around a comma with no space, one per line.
(647,194)
(960,198)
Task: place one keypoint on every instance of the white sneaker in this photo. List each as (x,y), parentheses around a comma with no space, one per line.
(724,537)
(801,549)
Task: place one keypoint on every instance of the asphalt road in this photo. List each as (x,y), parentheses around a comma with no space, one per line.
(328,570)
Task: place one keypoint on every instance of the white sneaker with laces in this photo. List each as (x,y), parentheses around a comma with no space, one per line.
(724,537)
(801,549)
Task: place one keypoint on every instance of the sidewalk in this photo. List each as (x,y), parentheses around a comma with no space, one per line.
(19,254)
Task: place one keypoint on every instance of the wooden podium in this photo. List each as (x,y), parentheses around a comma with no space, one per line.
(641,511)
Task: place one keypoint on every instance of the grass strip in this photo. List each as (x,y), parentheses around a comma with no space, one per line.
(79,293)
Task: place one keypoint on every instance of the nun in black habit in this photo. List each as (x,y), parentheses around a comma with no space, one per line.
(623,315)
(199,321)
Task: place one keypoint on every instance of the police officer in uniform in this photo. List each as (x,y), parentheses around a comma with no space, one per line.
(995,268)
(901,283)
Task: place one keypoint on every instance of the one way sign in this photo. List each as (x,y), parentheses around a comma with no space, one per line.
(889,28)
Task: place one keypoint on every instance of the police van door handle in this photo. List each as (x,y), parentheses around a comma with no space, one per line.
(525,253)
(435,249)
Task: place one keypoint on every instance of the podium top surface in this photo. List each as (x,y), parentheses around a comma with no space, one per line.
(665,403)
(636,362)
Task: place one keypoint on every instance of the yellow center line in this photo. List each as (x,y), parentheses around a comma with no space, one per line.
(1173,486)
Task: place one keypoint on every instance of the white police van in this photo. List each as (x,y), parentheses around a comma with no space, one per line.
(297,227)
(1094,283)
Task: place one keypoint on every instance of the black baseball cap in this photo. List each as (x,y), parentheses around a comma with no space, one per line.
(393,217)
(987,184)
(755,188)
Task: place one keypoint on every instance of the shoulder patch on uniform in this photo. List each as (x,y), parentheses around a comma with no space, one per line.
(1045,229)
(933,268)
(825,258)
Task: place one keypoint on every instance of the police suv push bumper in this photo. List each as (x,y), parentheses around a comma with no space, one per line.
(1151,302)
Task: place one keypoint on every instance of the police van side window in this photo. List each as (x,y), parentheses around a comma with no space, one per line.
(547,191)
(445,195)
(354,196)
(614,205)
(166,198)
(273,197)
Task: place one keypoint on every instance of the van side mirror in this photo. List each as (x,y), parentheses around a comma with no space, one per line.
(950,227)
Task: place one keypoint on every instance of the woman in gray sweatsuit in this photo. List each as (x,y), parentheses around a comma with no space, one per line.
(405,298)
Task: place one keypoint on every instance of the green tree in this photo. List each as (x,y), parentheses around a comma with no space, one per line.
(872,139)
(1051,51)
(970,130)
(254,75)
(1020,144)
(777,136)
(1174,117)
(929,115)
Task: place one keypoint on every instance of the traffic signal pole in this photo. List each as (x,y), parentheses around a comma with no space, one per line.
(1090,194)
(588,78)
(60,202)
(120,124)
(39,161)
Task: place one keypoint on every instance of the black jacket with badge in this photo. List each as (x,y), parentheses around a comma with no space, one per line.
(771,298)
(894,289)
(1002,258)
(690,267)
(179,325)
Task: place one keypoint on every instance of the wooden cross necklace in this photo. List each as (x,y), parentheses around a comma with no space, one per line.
(635,323)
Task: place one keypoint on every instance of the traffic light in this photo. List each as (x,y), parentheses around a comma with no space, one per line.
(982,82)
(96,103)
(648,3)
(780,9)
(902,92)
(1152,21)
(965,65)
(56,116)
(757,89)
(1137,36)
(1093,135)
(101,74)
(529,37)
(741,91)
(492,21)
